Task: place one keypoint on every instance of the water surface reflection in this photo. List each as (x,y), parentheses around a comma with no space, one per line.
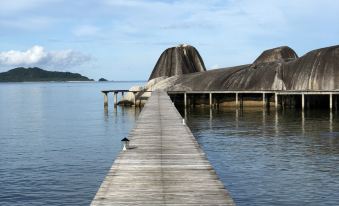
(269,157)
(57,142)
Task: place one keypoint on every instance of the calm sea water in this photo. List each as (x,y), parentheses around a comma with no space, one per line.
(57,143)
(272,158)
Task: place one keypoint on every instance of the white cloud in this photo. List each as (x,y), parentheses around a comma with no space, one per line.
(227,32)
(38,56)
(233,18)
(234,31)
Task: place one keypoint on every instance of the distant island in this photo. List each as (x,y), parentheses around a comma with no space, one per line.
(102,80)
(36,74)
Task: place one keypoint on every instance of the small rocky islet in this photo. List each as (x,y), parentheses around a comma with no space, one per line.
(102,80)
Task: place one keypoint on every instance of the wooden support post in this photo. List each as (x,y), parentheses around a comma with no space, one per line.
(122,99)
(214,100)
(303,121)
(236,99)
(264,117)
(188,101)
(135,99)
(191,100)
(241,101)
(276,100)
(283,99)
(263,99)
(268,99)
(331,121)
(236,117)
(115,99)
(293,101)
(331,101)
(302,101)
(185,99)
(211,99)
(105,99)
(307,101)
(276,123)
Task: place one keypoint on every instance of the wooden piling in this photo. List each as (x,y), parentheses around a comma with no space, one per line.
(236,99)
(302,101)
(115,94)
(242,101)
(331,100)
(135,99)
(105,99)
(122,98)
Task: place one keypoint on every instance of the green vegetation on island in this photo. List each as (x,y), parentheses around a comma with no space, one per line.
(36,74)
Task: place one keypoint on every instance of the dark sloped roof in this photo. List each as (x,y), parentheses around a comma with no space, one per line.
(279,54)
(183,59)
(316,70)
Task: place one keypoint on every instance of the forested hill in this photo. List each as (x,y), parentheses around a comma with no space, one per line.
(36,74)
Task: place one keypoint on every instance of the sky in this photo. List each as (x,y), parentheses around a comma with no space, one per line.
(122,39)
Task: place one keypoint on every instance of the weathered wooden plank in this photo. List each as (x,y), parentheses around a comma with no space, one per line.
(165,165)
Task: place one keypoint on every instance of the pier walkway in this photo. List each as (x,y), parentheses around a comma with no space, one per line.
(164,165)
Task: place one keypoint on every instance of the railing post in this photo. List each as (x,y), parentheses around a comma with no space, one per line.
(211,99)
(185,99)
(263,99)
(276,100)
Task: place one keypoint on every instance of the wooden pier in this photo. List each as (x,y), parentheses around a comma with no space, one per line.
(280,98)
(115,95)
(164,165)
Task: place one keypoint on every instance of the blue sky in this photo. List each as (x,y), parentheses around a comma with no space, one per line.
(122,39)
